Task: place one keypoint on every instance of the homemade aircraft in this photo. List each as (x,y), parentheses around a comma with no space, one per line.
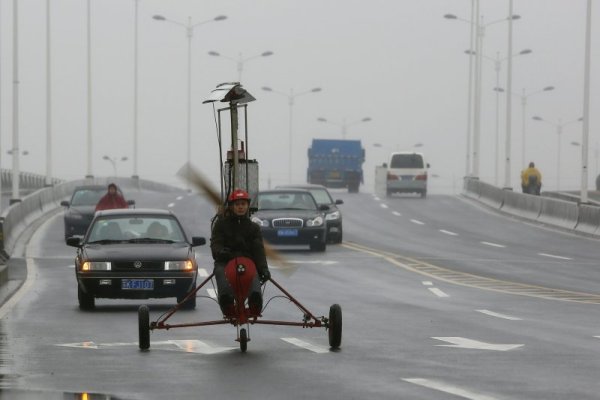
(238,171)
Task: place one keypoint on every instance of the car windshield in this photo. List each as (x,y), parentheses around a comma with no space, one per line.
(87,197)
(286,201)
(321,196)
(135,229)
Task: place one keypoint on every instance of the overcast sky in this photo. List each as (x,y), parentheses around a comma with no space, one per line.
(398,62)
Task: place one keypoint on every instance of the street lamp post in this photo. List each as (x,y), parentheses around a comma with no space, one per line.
(344,125)
(479,28)
(559,129)
(240,61)
(586,104)
(189,29)
(291,96)
(524,97)
(113,161)
(15,106)
(135,91)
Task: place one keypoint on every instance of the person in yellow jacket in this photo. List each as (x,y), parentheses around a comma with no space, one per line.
(531,180)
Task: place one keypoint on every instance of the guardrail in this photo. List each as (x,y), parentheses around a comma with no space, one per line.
(563,211)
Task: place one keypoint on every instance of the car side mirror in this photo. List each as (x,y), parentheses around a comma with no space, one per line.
(384,165)
(428,165)
(339,201)
(198,241)
(74,241)
(64,203)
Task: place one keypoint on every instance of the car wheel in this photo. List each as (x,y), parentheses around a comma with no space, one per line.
(144,327)
(338,238)
(335,326)
(190,304)
(243,340)
(86,300)
(424,194)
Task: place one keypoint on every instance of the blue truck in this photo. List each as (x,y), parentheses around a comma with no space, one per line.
(336,163)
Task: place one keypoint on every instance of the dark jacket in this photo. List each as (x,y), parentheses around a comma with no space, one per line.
(238,236)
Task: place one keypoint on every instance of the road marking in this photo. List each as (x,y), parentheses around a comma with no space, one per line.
(323,262)
(212,293)
(396,213)
(416,221)
(179,198)
(306,345)
(383,205)
(189,346)
(448,232)
(376,198)
(465,343)
(553,256)
(498,315)
(28,284)
(493,244)
(438,292)
(427,283)
(171,205)
(202,272)
(454,390)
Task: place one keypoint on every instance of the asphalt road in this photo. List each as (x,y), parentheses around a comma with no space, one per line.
(441,299)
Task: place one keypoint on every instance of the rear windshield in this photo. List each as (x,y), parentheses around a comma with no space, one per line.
(406,161)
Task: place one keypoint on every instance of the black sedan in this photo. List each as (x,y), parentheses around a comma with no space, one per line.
(333,216)
(135,254)
(79,211)
(291,217)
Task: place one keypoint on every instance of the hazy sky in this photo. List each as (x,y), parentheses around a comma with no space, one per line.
(398,62)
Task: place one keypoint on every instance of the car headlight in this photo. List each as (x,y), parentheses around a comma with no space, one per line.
(332,216)
(184,265)
(260,222)
(318,221)
(96,266)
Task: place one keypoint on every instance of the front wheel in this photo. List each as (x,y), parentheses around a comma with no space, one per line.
(144,327)
(335,326)
(243,340)
(86,300)
(318,246)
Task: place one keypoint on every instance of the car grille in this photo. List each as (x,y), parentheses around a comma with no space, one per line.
(145,266)
(288,223)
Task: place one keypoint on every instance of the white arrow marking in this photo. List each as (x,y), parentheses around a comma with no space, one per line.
(212,293)
(448,232)
(313,262)
(438,292)
(465,343)
(553,256)
(442,387)
(202,272)
(416,221)
(493,244)
(196,346)
(427,283)
(396,213)
(189,346)
(498,315)
(306,345)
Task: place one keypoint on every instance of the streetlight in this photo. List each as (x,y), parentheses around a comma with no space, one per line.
(479,29)
(291,98)
(524,97)
(113,161)
(586,103)
(240,61)
(15,106)
(189,29)
(344,125)
(559,128)
(135,90)
(497,65)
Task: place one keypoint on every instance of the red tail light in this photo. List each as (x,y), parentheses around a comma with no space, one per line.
(392,177)
(421,177)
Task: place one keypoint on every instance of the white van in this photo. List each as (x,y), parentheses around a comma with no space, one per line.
(407,173)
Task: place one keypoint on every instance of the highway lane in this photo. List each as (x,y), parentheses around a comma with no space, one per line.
(397,323)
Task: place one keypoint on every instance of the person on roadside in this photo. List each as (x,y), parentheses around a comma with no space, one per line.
(112,199)
(235,235)
(531,180)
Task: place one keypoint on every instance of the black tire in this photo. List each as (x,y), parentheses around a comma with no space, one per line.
(335,326)
(86,300)
(424,194)
(243,340)
(144,327)
(339,236)
(190,304)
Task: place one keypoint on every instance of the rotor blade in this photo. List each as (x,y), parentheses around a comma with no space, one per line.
(282,265)
(193,176)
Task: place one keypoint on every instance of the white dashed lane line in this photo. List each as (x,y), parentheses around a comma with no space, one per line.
(498,315)
(171,205)
(450,389)
(416,221)
(553,256)
(396,213)
(448,232)
(438,292)
(383,205)
(493,244)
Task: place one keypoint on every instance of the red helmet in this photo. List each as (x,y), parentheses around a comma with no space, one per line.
(238,194)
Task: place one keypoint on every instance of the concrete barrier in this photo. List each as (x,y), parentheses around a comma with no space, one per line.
(491,195)
(522,205)
(471,187)
(559,212)
(588,219)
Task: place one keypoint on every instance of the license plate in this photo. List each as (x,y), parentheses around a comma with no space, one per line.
(137,284)
(334,174)
(407,177)
(287,232)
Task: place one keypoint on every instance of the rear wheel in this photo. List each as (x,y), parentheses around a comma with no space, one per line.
(424,194)
(86,300)
(144,327)
(243,340)
(335,326)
